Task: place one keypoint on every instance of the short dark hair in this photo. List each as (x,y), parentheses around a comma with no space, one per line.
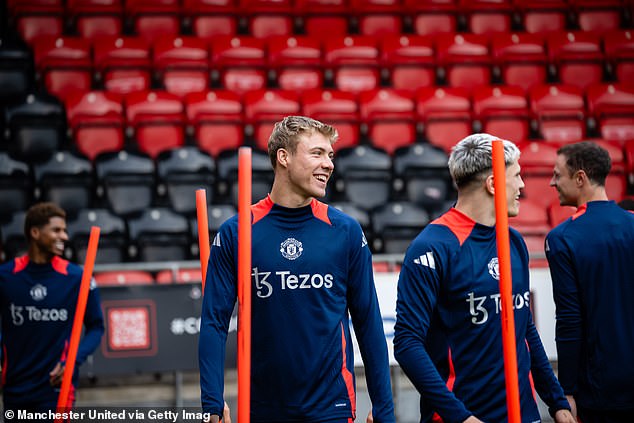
(39,215)
(593,159)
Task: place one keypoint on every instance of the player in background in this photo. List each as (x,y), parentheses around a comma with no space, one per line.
(591,260)
(449,284)
(38,296)
(311,271)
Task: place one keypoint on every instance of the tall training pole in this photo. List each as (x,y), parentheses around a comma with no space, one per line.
(203,232)
(78,322)
(506,284)
(244,285)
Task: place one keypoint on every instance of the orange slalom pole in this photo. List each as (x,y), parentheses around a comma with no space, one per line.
(80,310)
(244,285)
(203,232)
(506,284)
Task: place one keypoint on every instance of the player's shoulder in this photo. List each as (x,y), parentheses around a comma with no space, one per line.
(338,217)
(7,266)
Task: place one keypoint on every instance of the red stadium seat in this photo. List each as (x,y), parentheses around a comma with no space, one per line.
(616,152)
(538,158)
(537,161)
(445,114)
(268,18)
(532,219)
(378,17)
(353,61)
(168,276)
(410,61)
(96,18)
(157,119)
(535,245)
(324,18)
(122,64)
(503,111)
(465,59)
(628,149)
(486,16)
(543,16)
(154,18)
(616,186)
(521,58)
(182,64)
(262,108)
(123,278)
(559,111)
(240,62)
(389,117)
(433,16)
(577,56)
(619,52)
(296,62)
(216,120)
(65,64)
(212,18)
(96,121)
(598,15)
(537,188)
(37,18)
(558,213)
(612,106)
(338,108)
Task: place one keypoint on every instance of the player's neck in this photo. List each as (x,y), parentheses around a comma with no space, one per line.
(592,193)
(37,256)
(481,210)
(285,197)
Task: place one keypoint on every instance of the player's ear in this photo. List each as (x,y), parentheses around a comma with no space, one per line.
(489,184)
(282,157)
(34,232)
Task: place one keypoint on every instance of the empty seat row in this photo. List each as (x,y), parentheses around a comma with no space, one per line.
(262,18)
(128,183)
(155,121)
(351,63)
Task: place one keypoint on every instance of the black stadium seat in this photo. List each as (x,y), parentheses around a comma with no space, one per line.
(159,234)
(113,235)
(36,127)
(182,171)
(127,181)
(66,180)
(16,187)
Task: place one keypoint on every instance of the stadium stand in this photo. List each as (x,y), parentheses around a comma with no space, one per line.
(66,180)
(126,180)
(182,171)
(396,224)
(363,176)
(113,235)
(159,234)
(16,186)
(96,122)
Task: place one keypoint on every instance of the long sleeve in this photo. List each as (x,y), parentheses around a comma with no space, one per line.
(218,303)
(546,383)
(368,325)
(568,330)
(94,326)
(418,288)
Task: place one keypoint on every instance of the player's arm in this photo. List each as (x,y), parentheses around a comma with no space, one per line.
(218,303)
(368,326)
(418,289)
(568,329)
(93,325)
(546,383)
(93,332)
